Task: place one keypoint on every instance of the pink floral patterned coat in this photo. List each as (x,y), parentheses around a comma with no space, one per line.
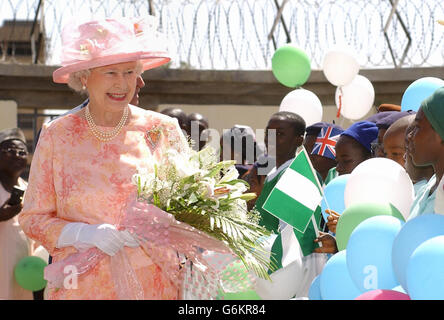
(76,178)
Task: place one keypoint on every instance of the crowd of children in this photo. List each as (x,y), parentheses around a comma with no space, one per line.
(413,140)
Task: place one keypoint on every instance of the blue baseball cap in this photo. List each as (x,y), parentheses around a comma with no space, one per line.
(365,132)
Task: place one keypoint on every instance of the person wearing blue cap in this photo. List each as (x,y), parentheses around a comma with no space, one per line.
(352,148)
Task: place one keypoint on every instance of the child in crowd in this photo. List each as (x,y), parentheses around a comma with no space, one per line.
(311,134)
(383,121)
(378,118)
(289,128)
(425,144)
(323,154)
(352,148)
(394,140)
(419,175)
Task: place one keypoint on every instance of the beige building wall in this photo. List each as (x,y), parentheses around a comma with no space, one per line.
(8,114)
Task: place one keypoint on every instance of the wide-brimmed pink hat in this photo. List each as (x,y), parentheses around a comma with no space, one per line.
(104,42)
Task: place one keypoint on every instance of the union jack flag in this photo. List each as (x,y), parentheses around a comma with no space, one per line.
(326,141)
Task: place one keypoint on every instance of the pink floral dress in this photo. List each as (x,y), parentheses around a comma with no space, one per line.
(76,178)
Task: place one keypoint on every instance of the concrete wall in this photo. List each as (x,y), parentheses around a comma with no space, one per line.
(225,97)
(8,114)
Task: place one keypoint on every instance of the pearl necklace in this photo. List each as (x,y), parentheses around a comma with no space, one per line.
(108,135)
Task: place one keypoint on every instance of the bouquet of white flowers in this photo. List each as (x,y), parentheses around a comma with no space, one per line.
(206,194)
(189,216)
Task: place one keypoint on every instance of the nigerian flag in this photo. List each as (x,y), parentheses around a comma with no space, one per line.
(296,198)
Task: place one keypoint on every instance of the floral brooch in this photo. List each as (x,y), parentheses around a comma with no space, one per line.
(152,137)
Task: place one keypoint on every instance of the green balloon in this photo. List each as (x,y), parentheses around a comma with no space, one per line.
(355,214)
(28,273)
(291,66)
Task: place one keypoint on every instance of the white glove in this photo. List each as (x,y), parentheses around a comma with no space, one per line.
(103,236)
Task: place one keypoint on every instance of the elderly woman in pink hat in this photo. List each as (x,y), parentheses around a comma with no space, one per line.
(80,177)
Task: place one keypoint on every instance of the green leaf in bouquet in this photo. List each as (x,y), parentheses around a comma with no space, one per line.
(139,187)
(224,226)
(192,199)
(222,217)
(248,196)
(212,223)
(238,234)
(235,181)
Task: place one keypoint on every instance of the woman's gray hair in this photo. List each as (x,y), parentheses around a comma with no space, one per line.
(75,80)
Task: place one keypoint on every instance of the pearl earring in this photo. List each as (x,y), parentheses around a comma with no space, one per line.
(83,87)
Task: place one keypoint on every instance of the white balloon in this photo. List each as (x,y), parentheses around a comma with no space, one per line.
(304,103)
(284,282)
(380,180)
(356,98)
(340,65)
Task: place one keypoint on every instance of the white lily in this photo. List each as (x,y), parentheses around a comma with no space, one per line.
(230,175)
(185,167)
(209,183)
(144,179)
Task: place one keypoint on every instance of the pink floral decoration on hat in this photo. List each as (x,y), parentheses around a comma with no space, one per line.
(109,41)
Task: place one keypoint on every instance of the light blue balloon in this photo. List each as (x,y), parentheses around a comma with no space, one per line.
(314,293)
(418,91)
(369,253)
(336,283)
(412,234)
(334,195)
(425,276)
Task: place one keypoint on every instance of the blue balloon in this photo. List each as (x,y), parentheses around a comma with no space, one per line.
(425,276)
(369,253)
(418,91)
(336,283)
(412,234)
(314,293)
(334,195)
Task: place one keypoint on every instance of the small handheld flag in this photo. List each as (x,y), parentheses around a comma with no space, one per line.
(296,200)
